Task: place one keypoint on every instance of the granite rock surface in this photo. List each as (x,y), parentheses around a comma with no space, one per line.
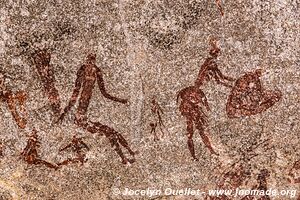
(149,49)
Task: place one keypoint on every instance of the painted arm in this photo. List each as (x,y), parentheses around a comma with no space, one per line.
(84,145)
(159,109)
(220,78)
(66,147)
(103,90)
(29,146)
(26,150)
(204,101)
(208,63)
(78,84)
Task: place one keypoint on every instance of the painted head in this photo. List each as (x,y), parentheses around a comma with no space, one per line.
(259,72)
(34,135)
(42,57)
(215,50)
(91,58)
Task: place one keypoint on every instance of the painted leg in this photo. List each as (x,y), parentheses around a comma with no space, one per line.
(110,132)
(71,160)
(190,133)
(114,137)
(43,162)
(116,146)
(124,143)
(153,131)
(205,139)
(66,162)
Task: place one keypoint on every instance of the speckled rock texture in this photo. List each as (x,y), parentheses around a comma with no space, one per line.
(149,49)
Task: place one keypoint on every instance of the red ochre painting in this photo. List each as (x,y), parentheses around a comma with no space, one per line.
(149,100)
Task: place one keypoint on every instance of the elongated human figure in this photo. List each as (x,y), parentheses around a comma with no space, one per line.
(193,98)
(87,76)
(157,111)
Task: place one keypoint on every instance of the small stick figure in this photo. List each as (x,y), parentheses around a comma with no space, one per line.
(77,146)
(157,112)
(30,154)
(189,107)
(14,101)
(45,70)
(248,97)
(209,69)
(87,76)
